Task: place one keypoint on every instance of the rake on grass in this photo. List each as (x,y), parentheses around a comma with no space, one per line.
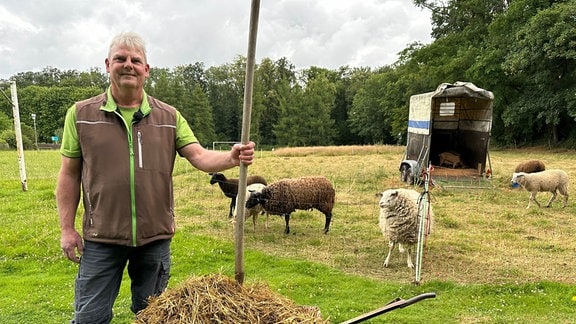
(395,304)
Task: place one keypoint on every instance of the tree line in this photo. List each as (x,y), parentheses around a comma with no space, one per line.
(524,51)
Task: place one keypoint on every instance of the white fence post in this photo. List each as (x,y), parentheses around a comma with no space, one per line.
(18,131)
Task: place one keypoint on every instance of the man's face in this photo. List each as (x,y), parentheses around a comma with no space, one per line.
(127,68)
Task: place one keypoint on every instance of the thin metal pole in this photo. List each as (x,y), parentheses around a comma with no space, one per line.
(424,213)
(35,133)
(246,113)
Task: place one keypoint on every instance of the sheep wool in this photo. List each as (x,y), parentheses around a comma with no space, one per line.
(530,166)
(287,195)
(552,181)
(399,221)
(230,187)
(254,211)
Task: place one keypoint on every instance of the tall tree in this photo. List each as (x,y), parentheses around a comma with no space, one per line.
(490,72)
(349,81)
(192,75)
(159,84)
(226,93)
(188,84)
(306,118)
(371,114)
(50,104)
(318,103)
(51,76)
(5,122)
(275,80)
(544,54)
(457,16)
(199,116)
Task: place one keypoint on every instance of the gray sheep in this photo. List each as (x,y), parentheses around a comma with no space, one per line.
(253,211)
(549,180)
(399,221)
(287,195)
(230,186)
(530,166)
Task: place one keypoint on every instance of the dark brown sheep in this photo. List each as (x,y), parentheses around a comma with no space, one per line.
(287,195)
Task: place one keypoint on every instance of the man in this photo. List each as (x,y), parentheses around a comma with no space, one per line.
(119,148)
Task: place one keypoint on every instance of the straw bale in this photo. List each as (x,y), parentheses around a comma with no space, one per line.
(219,299)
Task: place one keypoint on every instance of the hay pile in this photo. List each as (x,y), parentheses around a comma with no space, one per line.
(219,299)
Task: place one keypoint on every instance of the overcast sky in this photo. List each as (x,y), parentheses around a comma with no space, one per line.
(75,34)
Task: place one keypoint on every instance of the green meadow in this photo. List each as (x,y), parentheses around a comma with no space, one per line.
(488,259)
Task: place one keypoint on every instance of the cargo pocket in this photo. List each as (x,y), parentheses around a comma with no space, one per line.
(163,276)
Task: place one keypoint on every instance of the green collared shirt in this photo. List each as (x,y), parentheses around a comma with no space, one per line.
(71,145)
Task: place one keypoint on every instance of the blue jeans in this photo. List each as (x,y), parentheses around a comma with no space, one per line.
(100,275)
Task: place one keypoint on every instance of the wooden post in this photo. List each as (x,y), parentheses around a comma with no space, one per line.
(18,131)
(246,113)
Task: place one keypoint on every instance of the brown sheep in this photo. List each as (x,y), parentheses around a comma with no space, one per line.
(450,158)
(530,166)
(287,195)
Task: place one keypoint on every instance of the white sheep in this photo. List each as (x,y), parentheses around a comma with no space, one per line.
(230,186)
(399,220)
(254,210)
(549,180)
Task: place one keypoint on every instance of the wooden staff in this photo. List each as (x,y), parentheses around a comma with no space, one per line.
(246,112)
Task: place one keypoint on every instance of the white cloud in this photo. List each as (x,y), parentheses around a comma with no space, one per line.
(10,21)
(74,34)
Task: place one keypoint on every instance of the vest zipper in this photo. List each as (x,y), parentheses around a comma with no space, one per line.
(90,210)
(132,178)
(132,190)
(140,162)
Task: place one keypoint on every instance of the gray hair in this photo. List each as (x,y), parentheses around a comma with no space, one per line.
(130,40)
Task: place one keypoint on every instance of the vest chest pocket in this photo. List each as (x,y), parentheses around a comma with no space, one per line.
(155,148)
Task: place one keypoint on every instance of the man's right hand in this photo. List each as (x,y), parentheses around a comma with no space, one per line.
(72,245)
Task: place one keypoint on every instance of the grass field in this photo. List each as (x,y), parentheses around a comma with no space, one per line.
(489,259)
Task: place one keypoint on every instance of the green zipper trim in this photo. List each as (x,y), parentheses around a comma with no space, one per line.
(132,179)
